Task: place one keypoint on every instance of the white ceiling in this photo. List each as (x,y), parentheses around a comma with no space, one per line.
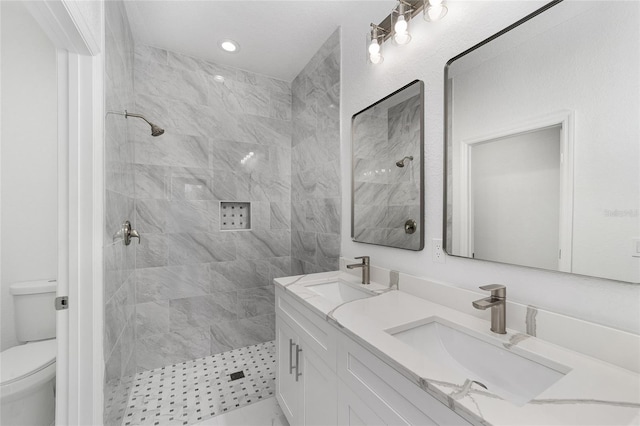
(277,38)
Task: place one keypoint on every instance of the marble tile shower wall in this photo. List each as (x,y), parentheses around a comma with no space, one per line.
(199,290)
(119,260)
(315,167)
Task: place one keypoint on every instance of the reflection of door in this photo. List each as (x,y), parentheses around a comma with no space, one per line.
(515,198)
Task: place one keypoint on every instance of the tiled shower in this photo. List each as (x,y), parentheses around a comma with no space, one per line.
(190,290)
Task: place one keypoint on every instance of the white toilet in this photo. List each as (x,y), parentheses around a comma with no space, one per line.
(27,372)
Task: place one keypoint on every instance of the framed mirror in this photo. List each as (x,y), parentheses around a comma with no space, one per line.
(387,192)
(543,143)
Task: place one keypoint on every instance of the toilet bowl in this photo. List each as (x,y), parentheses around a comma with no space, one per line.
(27,378)
(27,372)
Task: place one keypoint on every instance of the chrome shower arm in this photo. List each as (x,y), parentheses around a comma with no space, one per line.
(155,129)
(128,114)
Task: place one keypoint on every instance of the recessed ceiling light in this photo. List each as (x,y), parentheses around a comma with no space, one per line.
(229,45)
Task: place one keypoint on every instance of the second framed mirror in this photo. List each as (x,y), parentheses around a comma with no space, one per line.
(387,204)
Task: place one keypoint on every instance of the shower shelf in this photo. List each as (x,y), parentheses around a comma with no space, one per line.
(235,215)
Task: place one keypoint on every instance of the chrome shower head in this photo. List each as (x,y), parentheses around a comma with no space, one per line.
(155,129)
(401,162)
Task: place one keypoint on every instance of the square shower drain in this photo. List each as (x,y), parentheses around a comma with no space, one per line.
(237,375)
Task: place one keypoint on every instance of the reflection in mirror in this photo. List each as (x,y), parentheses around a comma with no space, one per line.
(543,143)
(387,171)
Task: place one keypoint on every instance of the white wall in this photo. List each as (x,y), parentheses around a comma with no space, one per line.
(28,158)
(602,301)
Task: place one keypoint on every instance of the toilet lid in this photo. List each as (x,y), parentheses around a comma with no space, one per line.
(23,360)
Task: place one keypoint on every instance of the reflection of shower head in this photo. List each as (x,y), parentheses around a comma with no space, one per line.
(401,162)
(155,130)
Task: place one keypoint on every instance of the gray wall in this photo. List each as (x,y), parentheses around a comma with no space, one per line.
(119,260)
(315,166)
(199,290)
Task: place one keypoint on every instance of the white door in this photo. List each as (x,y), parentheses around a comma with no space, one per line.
(75,28)
(515,185)
(318,390)
(352,411)
(286,385)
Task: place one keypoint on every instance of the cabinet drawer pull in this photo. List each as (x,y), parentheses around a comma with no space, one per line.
(291,345)
(298,373)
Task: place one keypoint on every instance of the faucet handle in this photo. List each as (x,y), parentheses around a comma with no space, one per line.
(497,290)
(365,259)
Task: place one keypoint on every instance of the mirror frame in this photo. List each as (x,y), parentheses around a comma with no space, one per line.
(421,173)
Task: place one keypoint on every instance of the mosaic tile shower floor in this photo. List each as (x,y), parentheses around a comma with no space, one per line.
(190,392)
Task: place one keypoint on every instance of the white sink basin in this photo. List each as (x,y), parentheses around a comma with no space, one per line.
(340,291)
(514,375)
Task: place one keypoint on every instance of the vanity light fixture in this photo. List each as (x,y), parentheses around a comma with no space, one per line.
(400,17)
(396,25)
(229,45)
(374,44)
(434,10)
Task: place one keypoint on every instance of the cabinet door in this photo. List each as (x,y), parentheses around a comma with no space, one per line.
(319,390)
(352,411)
(286,385)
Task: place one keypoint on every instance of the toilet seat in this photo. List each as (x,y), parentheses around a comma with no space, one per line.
(26,366)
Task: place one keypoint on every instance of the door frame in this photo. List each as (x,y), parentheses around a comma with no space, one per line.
(566,120)
(79,386)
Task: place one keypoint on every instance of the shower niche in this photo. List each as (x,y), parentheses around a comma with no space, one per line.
(235,216)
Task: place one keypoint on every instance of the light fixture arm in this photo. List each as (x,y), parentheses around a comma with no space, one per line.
(378,31)
(404,7)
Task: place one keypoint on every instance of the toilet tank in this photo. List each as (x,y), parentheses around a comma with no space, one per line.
(34,309)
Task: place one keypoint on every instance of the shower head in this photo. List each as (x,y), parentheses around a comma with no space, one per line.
(401,162)
(155,129)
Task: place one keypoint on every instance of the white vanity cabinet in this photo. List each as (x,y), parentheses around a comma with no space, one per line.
(306,386)
(325,378)
(370,389)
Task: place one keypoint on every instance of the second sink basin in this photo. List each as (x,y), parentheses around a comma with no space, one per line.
(514,375)
(340,291)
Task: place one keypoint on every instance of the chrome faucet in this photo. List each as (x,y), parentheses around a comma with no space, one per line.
(498,304)
(365,268)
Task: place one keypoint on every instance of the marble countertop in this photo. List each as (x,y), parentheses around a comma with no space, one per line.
(592,392)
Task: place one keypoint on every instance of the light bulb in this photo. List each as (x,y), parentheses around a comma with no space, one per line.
(374,47)
(402,38)
(376,59)
(435,10)
(401,25)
